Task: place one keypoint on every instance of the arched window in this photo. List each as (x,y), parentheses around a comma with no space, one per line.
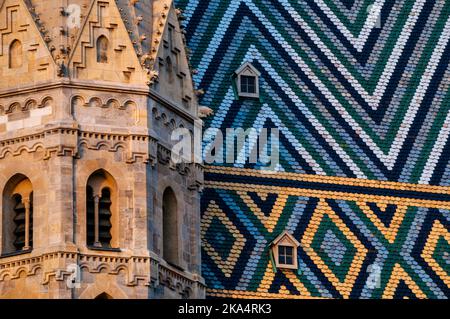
(15,55)
(101,212)
(104,295)
(102,49)
(17,215)
(170,227)
(169,67)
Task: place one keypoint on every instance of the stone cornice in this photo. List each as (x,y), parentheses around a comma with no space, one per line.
(42,140)
(78,136)
(70,130)
(171,106)
(152,271)
(101,87)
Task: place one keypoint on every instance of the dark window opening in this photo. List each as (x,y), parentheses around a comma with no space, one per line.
(105,215)
(169,67)
(248,84)
(15,55)
(90,216)
(104,295)
(17,218)
(104,218)
(20,224)
(285,255)
(170,227)
(102,49)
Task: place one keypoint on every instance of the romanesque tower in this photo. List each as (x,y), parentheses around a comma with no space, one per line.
(92,205)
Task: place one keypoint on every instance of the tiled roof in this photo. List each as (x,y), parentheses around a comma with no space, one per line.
(355,99)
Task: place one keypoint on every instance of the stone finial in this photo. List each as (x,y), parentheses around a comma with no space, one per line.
(204,111)
(152,75)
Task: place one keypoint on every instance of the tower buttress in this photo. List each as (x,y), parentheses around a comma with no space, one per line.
(91,203)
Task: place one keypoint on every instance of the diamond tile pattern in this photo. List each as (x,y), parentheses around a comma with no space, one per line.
(360,93)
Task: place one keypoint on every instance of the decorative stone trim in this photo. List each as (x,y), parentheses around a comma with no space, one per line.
(139,270)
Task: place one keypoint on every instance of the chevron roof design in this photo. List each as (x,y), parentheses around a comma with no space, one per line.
(360,93)
(350,99)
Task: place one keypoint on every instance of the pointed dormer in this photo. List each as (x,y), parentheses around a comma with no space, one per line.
(59,22)
(104,50)
(169,57)
(24,57)
(284,250)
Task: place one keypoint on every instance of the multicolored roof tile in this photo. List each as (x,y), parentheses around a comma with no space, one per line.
(360,92)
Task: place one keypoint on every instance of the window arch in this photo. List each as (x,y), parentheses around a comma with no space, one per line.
(102,49)
(101,211)
(104,295)
(17,215)
(15,55)
(169,67)
(170,227)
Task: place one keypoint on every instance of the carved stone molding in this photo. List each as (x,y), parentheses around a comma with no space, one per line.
(138,270)
(95,101)
(137,147)
(196,177)
(80,103)
(167,119)
(25,105)
(176,281)
(164,155)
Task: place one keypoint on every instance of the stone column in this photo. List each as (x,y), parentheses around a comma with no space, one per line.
(96,221)
(27,224)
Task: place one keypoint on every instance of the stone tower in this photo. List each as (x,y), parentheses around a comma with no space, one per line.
(91,204)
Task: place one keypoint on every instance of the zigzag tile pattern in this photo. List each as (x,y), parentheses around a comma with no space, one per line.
(352,96)
(362,104)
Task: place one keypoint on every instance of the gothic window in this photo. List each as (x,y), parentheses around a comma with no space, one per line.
(284,250)
(169,69)
(100,211)
(15,55)
(181,81)
(17,215)
(170,37)
(247,80)
(170,227)
(104,295)
(102,49)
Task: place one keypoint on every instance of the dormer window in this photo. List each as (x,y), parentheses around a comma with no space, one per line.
(284,250)
(247,80)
